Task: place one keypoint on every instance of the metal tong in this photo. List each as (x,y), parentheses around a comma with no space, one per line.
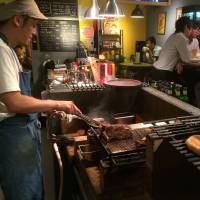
(85,118)
(89,121)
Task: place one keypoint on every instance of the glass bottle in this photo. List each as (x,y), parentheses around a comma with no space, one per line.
(185,94)
(170,88)
(178,91)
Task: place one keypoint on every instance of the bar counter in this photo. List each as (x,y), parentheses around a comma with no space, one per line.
(190,78)
(135,70)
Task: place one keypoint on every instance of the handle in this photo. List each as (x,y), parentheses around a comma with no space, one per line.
(88,120)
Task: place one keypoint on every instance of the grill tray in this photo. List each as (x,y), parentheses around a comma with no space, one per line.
(122,152)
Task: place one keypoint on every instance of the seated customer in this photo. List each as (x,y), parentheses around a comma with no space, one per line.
(151,51)
(174,49)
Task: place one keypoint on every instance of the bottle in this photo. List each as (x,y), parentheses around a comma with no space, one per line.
(170,88)
(137,57)
(185,94)
(178,91)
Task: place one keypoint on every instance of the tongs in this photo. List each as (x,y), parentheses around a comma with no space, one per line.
(89,121)
(85,118)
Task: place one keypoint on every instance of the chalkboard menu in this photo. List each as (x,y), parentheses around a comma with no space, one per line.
(59,35)
(58,8)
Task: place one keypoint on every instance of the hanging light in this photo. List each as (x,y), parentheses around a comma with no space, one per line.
(137,13)
(93,11)
(111,9)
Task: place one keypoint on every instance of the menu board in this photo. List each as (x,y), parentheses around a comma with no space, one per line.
(59,35)
(58,8)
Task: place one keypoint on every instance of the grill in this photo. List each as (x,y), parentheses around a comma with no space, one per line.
(120,152)
(174,169)
(79,87)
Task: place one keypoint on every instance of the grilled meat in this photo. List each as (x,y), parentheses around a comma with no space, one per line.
(117,132)
(121,139)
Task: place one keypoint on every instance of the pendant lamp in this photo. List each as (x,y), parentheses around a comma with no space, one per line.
(93,11)
(137,13)
(111,9)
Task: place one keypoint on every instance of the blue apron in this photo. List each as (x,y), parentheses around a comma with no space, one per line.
(20,153)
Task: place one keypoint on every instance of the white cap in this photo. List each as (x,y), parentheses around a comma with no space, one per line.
(21,7)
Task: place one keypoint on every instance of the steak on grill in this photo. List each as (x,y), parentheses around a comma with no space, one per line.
(124,139)
(116,132)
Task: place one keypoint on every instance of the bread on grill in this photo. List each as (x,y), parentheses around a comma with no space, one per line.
(193,143)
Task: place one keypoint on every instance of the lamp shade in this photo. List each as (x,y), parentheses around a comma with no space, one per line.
(93,11)
(111,9)
(137,12)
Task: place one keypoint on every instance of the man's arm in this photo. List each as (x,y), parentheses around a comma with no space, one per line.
(183,50)
(17,103)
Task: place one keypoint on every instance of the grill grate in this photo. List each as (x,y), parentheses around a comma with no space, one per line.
(169,159)
(122,152)
(180,146)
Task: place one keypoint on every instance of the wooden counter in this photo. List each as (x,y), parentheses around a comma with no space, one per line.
(134,70)
(192,65)
(190,77)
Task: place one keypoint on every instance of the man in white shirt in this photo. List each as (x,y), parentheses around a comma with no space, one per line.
(151,51)
(191,76)
(174,49)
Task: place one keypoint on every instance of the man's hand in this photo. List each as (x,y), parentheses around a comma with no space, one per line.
(145,49)
(68,107)
(179,67)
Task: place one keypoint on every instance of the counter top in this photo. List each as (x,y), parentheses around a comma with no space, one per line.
(131,64)
(173,101)
(192,65)
(134,70)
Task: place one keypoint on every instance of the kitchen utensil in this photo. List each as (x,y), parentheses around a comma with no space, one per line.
(89,121)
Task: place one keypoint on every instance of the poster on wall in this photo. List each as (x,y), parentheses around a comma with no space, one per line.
(87,36)
(111,26)
(161,23)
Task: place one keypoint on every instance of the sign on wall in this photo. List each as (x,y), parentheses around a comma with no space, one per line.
(59,35)
(111,26)
(58,8)
(161,23)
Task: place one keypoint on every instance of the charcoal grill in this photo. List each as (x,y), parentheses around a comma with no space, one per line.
(174,169)
(126,152)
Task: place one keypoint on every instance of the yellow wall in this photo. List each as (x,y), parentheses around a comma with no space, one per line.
(133,29)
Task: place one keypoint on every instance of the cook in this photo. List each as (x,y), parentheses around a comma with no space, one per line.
(20,155)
